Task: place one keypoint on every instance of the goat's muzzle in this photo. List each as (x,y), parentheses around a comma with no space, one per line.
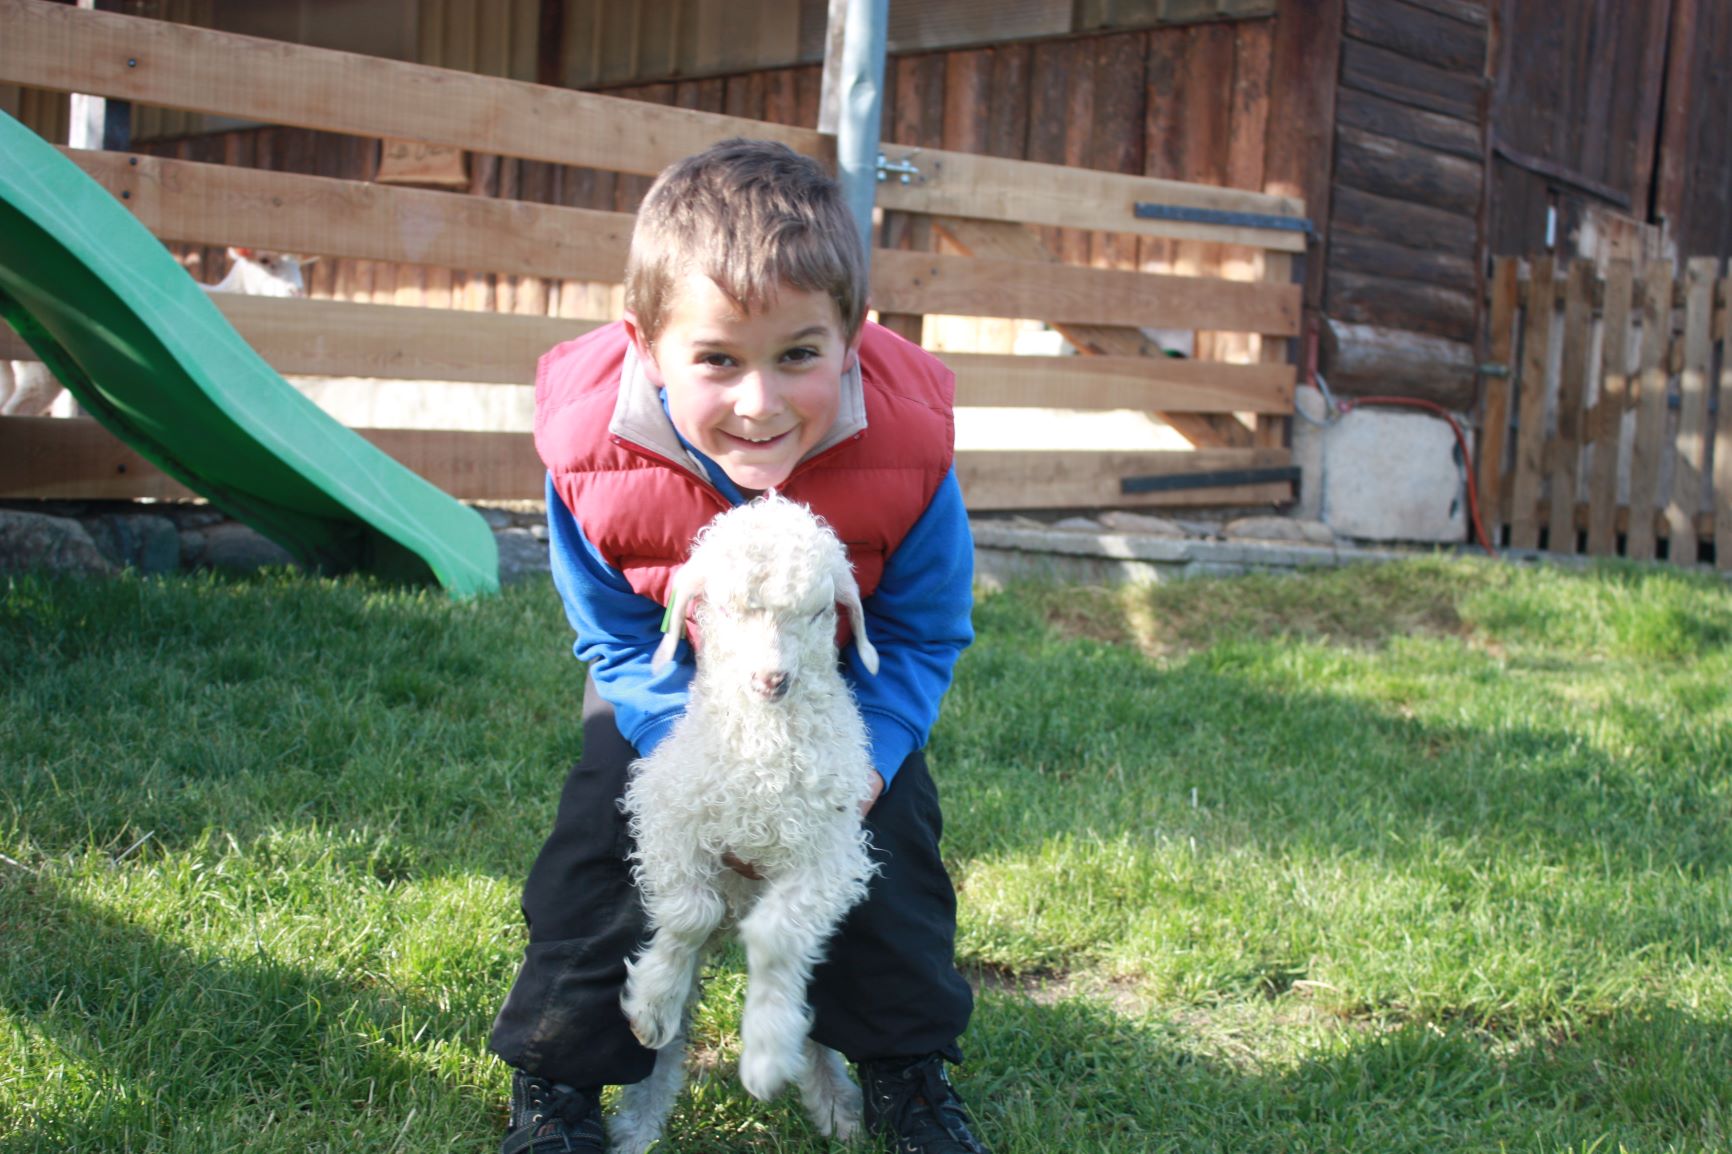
(770,686)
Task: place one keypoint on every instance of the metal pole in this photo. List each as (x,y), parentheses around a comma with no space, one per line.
(862,90)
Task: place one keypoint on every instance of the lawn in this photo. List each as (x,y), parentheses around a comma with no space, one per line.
(1432,856)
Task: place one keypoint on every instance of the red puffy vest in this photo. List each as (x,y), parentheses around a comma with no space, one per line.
(640,510)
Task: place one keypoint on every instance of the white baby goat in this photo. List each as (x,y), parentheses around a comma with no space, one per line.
(768,767)
(28,389)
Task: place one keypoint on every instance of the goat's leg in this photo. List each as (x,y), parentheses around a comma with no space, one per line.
(660,980)
(831,1098)
(644,1106)
(784,935)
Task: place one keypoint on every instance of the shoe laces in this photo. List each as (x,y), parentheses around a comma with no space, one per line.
(924,1111)
(556,1119)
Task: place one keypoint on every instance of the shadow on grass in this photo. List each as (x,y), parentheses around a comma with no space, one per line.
(1636,1081)
(155,1045)
(1326,749)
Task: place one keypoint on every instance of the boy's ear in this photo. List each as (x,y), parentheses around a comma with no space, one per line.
(851,359)
(641,345)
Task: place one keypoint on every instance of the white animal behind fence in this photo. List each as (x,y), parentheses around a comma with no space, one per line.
(28,389)
(768,766)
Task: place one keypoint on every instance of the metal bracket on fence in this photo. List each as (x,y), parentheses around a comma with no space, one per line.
(1221,479)
(1492,369)
(904,169)
(1189,215)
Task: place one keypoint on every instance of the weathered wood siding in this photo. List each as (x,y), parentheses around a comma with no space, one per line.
(1401,300)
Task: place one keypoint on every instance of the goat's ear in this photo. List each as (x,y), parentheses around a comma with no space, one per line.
(240,253)
(848,593)
(687,583)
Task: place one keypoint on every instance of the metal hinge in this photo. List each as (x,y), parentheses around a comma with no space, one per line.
(904,169)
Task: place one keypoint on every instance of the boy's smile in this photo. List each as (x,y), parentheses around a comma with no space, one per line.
(754,392)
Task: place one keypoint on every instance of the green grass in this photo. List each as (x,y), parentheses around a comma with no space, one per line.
(1434,856)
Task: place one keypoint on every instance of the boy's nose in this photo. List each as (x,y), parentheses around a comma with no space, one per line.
(757,395)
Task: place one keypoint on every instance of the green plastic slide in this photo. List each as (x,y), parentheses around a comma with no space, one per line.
(147,354)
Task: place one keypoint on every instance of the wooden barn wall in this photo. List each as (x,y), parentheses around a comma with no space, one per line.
(1694,189)
(1574,117)
(1403,281)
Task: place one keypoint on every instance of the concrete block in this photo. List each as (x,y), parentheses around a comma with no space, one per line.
(1393,475)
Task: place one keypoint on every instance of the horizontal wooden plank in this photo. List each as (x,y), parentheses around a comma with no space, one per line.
(321,338)
(918,282)
(324,338)
(1369,68)
(1424,36)
(218,204)
(48,458)
(1402,222)
(993,188)
(1003,479)
(1155,384)
(342,339)
(52,458)
(1363,360)
(166,65)
(1385,166)
(1373,113)
(1368,254)
(1401,304)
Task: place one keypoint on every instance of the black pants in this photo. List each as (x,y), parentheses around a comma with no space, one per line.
(888,987)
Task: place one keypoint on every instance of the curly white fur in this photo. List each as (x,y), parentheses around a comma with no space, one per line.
(769,764)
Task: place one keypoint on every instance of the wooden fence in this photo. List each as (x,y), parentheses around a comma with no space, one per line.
(989,208)
(1622,439)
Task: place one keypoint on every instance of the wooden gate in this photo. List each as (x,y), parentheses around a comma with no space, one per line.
(1620,390)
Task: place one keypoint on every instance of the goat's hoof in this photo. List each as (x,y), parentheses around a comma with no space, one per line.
(764,1073)
(653,1024)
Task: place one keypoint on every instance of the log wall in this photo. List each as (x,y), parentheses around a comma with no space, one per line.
(1401,302)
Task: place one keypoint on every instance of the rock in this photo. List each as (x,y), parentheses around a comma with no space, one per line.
(520,554)
(1077,525)
(190,516)
(40,543)
(143,541)
(231,546)
(1120,521)
(496,518)
(1280,529)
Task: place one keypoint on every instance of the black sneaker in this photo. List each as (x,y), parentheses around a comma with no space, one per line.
(547,1118)
(911,1101)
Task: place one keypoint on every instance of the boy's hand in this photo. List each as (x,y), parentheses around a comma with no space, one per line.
(876,787)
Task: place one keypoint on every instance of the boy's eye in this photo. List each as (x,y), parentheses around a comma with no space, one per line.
(800,355)
(716,360)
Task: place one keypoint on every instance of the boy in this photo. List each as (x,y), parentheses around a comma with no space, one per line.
(744,363)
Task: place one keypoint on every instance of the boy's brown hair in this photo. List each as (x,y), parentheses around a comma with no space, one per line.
(752,215)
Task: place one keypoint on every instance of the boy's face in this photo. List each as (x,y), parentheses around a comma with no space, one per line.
(754,392)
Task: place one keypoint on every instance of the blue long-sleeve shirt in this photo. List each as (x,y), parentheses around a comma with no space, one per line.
(918,619)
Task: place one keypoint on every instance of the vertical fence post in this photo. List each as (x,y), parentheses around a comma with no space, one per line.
(862,110)
(1494,413)
(1606,422)
(1641,545)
